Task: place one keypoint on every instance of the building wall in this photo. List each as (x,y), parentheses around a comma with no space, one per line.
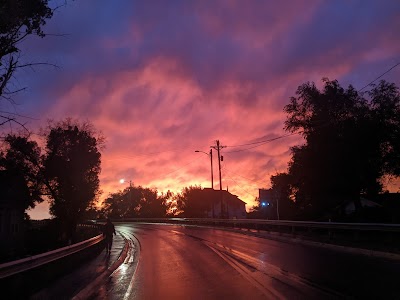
(232,206)
(237,211)
(11,231)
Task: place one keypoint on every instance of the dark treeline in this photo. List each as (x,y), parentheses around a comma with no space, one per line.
(64,173)
(19,20)
(142,202)
(351,143)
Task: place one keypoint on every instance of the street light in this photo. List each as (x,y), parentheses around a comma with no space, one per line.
(212,176)
(122,181)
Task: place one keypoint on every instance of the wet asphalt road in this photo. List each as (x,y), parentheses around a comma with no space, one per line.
(181,262)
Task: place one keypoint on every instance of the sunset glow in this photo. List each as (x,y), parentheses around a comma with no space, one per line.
(163,80)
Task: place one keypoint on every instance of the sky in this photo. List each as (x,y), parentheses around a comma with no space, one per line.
(162,79)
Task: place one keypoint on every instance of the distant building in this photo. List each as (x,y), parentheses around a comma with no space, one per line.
(269,204)
(265,196)
(380,208)
(230,205)
(349,207)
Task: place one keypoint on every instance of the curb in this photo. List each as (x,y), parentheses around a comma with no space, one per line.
(86,292)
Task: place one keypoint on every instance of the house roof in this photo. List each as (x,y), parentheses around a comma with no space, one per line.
(225,194)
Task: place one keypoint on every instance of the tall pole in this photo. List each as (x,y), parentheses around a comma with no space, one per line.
(219,166)
(277,205)
(212,176)
(130,190)
(212,172)
(212,183)
(218,148)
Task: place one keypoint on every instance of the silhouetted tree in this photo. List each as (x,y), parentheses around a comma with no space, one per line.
(152,206)
(22,159)
(281,200)
(137,201)
(72,167)
(284,196)
(351,142)
(191,202)
(256,211)
(18,20)
(117,205)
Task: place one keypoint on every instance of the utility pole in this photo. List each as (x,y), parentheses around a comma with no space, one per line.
(277,205)
(212,176)
(218,147)
(130,190)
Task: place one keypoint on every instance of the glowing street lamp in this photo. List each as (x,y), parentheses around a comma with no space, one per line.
(212,176)
(122,181)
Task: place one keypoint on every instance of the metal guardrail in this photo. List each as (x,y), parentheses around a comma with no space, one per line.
(371,236)
(25,264)
(292,227)
(268,224)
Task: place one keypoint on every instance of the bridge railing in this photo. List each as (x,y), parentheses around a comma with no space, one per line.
(25,264)
(261,224)
(374,236)
(370,235)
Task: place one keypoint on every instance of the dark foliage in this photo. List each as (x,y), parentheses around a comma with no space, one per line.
(351,141)
(137,202)
(72,166)
(193,202)
(18,19)
(21,159)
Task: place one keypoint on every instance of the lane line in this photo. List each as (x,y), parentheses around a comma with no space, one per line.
(135,258)
(267,292)
(284,276)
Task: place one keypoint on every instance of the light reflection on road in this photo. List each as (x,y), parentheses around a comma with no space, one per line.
(184,262)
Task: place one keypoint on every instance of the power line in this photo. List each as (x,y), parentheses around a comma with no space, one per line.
(248,179)
(259,142)
(262,142)
(239,185)
(226,170)
(193,161)
(255,185)
(379,76)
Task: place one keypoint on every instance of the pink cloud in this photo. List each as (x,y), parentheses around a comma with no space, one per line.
(154,119)
(167,81)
